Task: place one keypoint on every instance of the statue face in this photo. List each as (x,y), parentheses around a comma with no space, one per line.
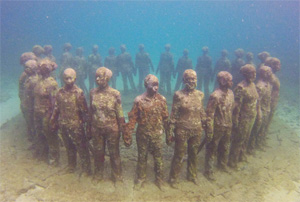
(190,82)
(69,79)
(251,76)
(102,79)
(152,87)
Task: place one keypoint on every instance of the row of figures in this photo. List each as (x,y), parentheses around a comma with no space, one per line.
(235,122)
(124,64)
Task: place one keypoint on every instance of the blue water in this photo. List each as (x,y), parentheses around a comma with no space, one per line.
(255,26)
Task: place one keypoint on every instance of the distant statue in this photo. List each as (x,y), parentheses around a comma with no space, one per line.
(166,69)
(94,62)
(142,64)
(204,70)
(81,68)
(110,62)
(236,66)
(262,57)
(223,64)
(183,63)
(66,61)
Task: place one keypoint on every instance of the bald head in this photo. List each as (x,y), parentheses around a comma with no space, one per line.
(70,72)
(150,78)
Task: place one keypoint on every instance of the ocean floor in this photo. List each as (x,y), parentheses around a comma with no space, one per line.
(273,175)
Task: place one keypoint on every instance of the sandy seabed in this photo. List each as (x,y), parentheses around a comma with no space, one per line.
(273,175)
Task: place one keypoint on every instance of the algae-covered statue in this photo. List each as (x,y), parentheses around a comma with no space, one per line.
(142,63)
(66,61)
(264,89)
(187,120)
(70,115)
(31,70)
(94,62)
(80,66)
(150,112)
(275,65)
(249,58)
(110,62)
(105,126)
(223,64)
(236,66)
(244,115)
(262,57)
(219,125)
(183,63)
(166,69)
(48,53)
(126,67)
(204,70)
(47,146)
(38,52)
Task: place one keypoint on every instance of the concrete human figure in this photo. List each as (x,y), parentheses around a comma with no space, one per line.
(81,68)
(70,115)
(105,126)
(94,62)
(223,64)
(166,69)
(249,59)
(48,53)
(244,115)
(236,66)
(142,64)
(219,125)
(275,65)
(47,146)
(187,121)
(38,52)
(126,67)
(204,70)
(150,112)
(110,62)
(264,90)
(262,57)
(66,61)
(183,63)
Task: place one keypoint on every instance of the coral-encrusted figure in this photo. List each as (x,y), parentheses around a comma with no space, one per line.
(244,115)
(106,123)
(71,115)
(204,70)
(223,64)
(150,112)
(94,62)
(110,62)
(47,146)
(183,63)
(219,124)
(236,66)
(187,120)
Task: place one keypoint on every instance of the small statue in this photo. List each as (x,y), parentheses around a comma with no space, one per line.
(126,67)
(236,66)
(47,146)
(66,61)
(150,112)
(219,125)
(262,57)
(70,115)
(187,120)
(223,64)
(94,62)
(166,69)
(111,63)
(80,66)
(105,126)
(204,70)
(183,63)
(142,63)
(244,115)
(38,52)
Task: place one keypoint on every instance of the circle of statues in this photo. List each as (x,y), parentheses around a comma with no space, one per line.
(234,123)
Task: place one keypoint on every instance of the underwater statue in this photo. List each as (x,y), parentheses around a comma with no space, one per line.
(187,121)
(275,65)
(110,62)
(262,57)
(142,64)
(223,64)
(94,62)
(236,66)
(219,125)
(166,69)
(204,70)
(23,59)
(70,115)
(249,59)
(183,63)
(80,66)
(126,67)
(38,52)
(31,70)
(244,115)
(48,53)
(106,121)
(264,89)
(66,61)
(47,146)
(150,112)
